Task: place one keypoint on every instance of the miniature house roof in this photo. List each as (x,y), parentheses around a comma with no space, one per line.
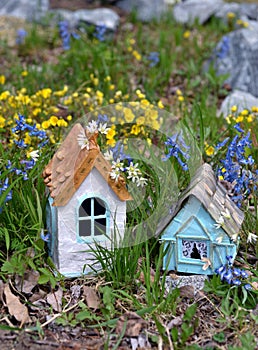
(213,196)
(70,166)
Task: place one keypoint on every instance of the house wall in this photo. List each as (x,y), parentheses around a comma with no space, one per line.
(193,223)
(72,252)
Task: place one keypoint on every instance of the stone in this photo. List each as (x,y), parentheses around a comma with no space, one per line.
(243,100)
(146,10)
(235,57)
(30,10)
(190,11)
(249,11)
(195,282)
(98,17)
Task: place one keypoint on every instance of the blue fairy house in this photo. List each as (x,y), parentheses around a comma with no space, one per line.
(204,227)
(85,205)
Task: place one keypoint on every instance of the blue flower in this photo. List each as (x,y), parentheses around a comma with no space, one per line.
(100,32)
(66,34)
(174,144)
(20,36)
(224,47)
(248,286)
(238,128)
(154,58)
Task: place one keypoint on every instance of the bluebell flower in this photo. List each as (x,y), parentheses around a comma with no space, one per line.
(20,36)
(244,274)
(100,32)
(102,118)
(66,33)
(118,152)
(224,48)
(248,286)
(238,128)
(222,144)
(236,282)
(175,145)
(153,58)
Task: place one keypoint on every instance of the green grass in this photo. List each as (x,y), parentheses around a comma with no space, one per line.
(98,74)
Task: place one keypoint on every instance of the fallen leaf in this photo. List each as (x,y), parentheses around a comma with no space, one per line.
(187,291)
(132,322)
(55,299)
(176,322)
(15,307)
(27,282)
(91,297)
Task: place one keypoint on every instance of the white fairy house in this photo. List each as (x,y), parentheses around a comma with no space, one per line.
(203,229)
(84,205)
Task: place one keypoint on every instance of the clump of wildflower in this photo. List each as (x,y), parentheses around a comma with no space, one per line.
(66,34)
(153,57)
(232,275)
(236,166)
(20,36)
(100,32)
(177,148)
(5,191)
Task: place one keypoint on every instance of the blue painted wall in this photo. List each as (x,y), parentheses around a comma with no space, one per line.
(194,224)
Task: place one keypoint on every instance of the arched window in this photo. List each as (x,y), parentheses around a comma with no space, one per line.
(93,216)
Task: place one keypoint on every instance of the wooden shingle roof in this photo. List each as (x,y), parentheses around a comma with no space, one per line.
(70,166)
(213,196)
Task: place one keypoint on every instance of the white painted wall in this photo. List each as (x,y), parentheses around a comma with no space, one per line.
(71,254)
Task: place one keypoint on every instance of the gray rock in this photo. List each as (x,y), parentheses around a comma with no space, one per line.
(146,10)
(97,17)
(195,281)
(30,10)
(243,100)
(236,56)
(191,10)
(249,11)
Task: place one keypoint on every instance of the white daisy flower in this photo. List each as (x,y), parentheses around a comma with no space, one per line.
(83,141)
(220,222)
(103,129)
(251,237)
(118,165)
(34,155)
(108,155)
(92,126)
(141,181)
(133,171)
(115,174)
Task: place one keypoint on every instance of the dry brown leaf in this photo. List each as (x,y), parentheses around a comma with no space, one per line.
(134,324)
(91,297)
(27,282)
(15,307)
(55,299)
(187,291)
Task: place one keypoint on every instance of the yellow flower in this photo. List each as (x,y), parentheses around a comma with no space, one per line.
(181,98)
(24,73)
(145,102)
(61,92)
(137,55)
(135,130)
(160,104)
(45,93)
(239,119)
(209,150)
(112,87)
(132,41)
(36,111)
(187,34)
(151,114)
(250,118)
(2,79)
(75,94)
(4,95)
(111,142)
(233,108)
(255,109)
(27,139)
(69,117)
(231,15)
(53,120)
(45,124)
(111,100)
(108,78)
(62,122)
(68,101)
(110,134)
(2,122)
(245,112)
(128,114)
(178,92)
